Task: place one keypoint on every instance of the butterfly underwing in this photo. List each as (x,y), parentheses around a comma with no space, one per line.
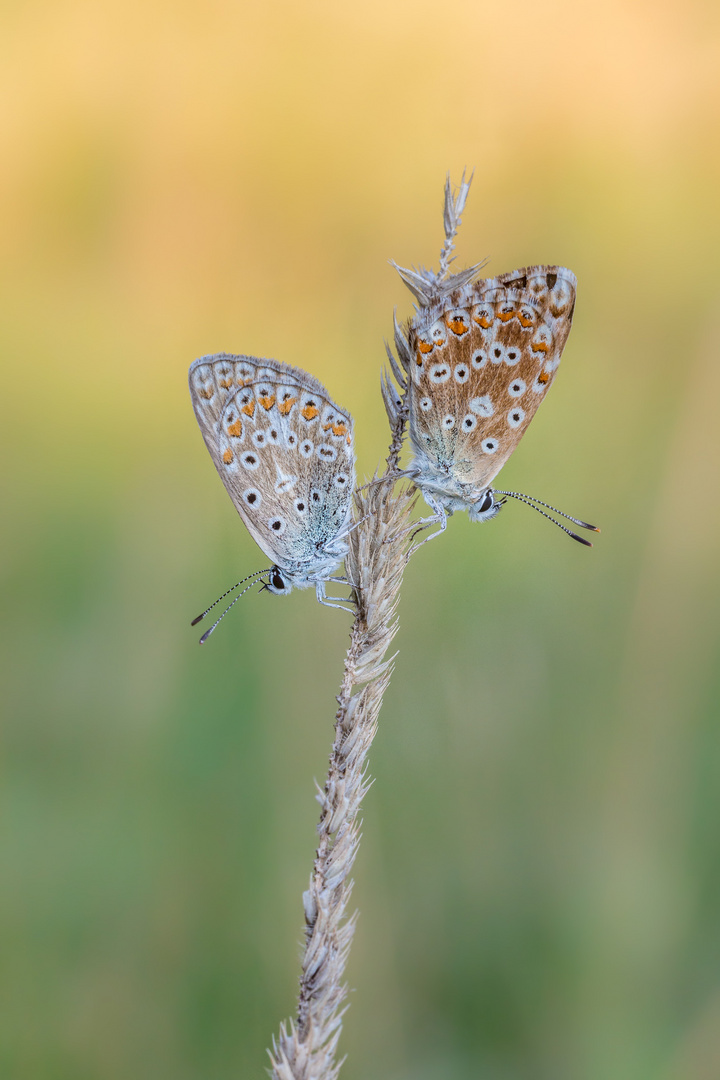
(284,451)
(481,357)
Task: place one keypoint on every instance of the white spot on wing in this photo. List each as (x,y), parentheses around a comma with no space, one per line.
(439,373)
(326,453)
(482,406)
(285,483)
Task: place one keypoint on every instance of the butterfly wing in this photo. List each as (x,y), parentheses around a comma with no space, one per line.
(284,451)
(481,364)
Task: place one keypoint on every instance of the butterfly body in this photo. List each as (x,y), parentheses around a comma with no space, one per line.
(481,357)
(284,451)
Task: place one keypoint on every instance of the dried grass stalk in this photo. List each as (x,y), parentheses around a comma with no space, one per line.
(305,1048)
(379,549)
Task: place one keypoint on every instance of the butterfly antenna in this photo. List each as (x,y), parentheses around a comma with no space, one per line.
(207,633)
(531,498)
(227,593)
(524,499)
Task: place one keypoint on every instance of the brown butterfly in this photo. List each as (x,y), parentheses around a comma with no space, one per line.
(480,356)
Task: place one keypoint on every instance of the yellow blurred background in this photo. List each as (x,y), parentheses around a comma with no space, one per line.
(539,881)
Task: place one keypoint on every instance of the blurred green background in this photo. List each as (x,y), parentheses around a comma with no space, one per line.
(539,880)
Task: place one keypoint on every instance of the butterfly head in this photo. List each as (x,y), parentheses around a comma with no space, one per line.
(279,582)
(486,507)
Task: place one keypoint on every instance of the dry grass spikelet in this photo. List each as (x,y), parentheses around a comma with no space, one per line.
(380,545)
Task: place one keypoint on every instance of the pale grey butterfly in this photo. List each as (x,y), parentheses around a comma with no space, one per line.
(284,451)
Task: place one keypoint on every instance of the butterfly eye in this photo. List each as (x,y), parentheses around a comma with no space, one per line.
(276,579)
(486,504)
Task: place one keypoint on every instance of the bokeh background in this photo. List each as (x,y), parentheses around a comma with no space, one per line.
(539,881)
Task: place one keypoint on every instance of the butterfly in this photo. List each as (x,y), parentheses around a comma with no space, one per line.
(284,451)
(480,357)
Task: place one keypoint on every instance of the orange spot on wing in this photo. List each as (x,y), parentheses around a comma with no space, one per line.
(339,429)
(286,405)
(543,377)
(348,440)
(540,346)
(483,320)
(249,409)
(207,394)
(267,402)
(309,412)
(425,346)
(228,457)
(524,321)
(235,429)
(458,326)
(505,316)
(225,383)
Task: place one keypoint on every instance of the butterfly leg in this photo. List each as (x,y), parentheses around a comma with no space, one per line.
(344,581)
(328,601)
(439,518)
